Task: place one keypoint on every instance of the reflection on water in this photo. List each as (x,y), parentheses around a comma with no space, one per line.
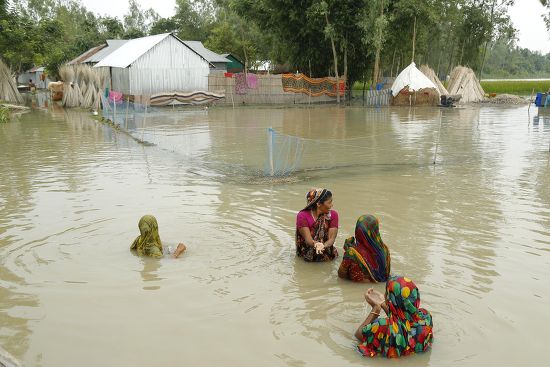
(472,231)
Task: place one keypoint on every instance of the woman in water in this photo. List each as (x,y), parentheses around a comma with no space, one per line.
(148,242)
(366,256)
(407,329)
(317,227)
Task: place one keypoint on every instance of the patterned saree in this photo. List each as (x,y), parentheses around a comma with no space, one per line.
(408,329)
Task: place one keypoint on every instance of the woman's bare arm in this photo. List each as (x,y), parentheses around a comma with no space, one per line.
(375,312)
(332,232)
(306,234)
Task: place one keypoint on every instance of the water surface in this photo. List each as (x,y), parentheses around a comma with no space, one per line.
(473,232)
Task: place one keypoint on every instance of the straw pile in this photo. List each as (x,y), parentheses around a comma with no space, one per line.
(70,97)
(84,85)
(422,97)
(8,88)
(426,70)
(463,81)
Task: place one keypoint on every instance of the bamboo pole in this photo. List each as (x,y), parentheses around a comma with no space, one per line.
(438,137)
(530,100)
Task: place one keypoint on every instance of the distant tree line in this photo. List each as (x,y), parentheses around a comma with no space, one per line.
(360,40)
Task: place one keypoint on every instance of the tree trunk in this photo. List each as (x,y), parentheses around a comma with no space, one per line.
(335,58)
(414,39)
(376,73)
(486,43)
(392,63)
(346,70)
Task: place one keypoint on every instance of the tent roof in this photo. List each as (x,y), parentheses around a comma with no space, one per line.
(207,54)
(413,78)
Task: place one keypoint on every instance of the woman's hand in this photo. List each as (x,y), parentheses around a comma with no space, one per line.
(374,298)
(319,248)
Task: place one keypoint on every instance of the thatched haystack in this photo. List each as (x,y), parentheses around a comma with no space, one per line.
(463,81)
(426,70)
(8,87)
(413,88)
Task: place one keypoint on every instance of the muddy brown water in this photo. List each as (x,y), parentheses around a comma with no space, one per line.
(473,232)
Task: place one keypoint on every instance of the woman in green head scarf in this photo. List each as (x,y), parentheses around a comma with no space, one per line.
(148,242)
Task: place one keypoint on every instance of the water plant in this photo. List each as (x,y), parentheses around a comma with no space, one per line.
(4,115)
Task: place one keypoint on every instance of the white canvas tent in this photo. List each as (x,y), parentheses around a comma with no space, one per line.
(412,78)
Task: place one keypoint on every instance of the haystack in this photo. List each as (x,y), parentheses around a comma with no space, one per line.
(463,81)
(8,88)
(413,88)
(426,70)
(71,97)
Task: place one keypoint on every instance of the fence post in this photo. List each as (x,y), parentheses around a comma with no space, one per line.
(270,138)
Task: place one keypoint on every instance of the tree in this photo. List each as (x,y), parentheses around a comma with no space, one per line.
(137,23)
(546,17)
(110,28)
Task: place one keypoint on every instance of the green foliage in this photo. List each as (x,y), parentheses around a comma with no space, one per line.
(504,60)
(476,33)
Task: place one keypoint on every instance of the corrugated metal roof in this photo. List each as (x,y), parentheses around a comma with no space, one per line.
(112,45)
(82,57)
(210,56)
(130,51)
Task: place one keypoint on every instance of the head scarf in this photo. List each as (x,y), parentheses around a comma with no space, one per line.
(368,250)
(313,196)
(148,242)
(406,330)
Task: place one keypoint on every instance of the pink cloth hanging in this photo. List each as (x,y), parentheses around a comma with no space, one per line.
(252,81)
(115,96)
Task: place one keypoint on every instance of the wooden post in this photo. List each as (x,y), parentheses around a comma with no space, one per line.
(126,118)
(530,100)
(270,138)
(438,137)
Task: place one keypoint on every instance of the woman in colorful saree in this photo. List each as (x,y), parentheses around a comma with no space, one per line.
(407,329)
(148,242)
(317,227)
(366,256)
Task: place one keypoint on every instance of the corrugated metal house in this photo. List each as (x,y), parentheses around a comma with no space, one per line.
(36,75)
(235,65)
(156,64)
(98,53)
(218,62)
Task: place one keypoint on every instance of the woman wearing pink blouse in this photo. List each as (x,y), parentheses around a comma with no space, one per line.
(317,227)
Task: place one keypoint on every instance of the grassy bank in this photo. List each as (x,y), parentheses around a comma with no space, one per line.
(519,87)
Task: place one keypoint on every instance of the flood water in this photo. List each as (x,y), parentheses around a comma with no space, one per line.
(473,232)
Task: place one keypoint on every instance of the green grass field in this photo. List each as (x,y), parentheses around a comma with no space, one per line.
(519,87)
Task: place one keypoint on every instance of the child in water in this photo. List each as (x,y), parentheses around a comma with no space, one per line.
(148,242)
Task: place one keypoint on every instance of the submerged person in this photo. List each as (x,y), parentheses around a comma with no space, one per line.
(366,256)
(148,242)
(317,227)
(407,329)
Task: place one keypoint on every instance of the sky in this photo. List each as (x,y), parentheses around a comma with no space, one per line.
(525,14)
